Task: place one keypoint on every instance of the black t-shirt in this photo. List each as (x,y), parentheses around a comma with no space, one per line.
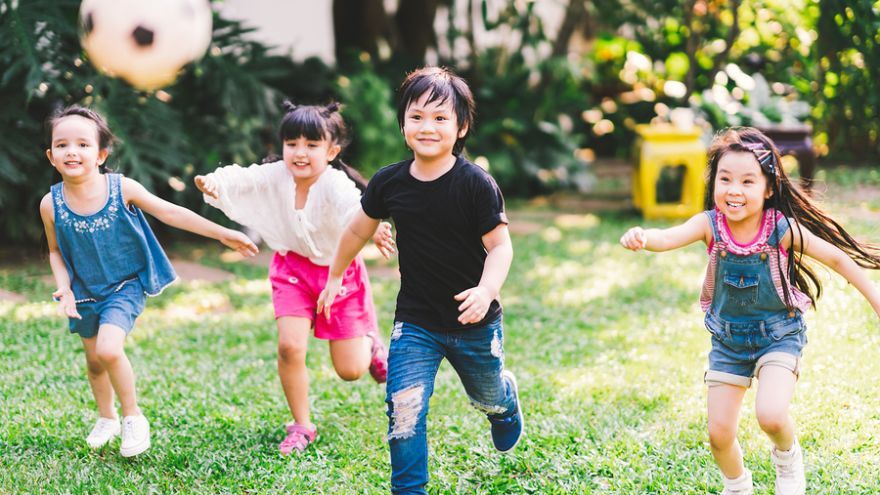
(440,225)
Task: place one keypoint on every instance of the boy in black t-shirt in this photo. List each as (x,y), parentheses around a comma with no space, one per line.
(455,252)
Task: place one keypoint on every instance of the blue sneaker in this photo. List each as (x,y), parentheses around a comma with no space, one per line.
(507,430)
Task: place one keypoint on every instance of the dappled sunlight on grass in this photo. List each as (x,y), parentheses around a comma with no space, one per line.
(570,221)
(28,311)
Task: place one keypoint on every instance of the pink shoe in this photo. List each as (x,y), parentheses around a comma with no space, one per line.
(378,360)
(298,438)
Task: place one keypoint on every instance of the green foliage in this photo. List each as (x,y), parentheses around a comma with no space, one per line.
(369,112)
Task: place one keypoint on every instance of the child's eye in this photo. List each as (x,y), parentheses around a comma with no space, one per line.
(441,118)
(724,180)
(415,117)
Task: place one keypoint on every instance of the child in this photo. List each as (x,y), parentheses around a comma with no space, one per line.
(455,253)
(300,206)
(756,290)
(105,260)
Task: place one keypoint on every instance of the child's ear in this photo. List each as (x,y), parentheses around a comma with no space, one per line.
(102,155)
(462,131)
(333,151)
(49,156)
(769,193)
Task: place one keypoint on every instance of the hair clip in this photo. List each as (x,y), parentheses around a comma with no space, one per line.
(333,107)
(765,157)
(288,106)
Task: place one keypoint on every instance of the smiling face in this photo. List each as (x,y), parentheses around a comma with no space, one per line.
(75,151)
(740,186)
(431,128)
(308,158)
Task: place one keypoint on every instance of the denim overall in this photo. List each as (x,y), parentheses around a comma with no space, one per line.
(747,318)
(109,254)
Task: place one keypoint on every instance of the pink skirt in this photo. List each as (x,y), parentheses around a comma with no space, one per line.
(296,284)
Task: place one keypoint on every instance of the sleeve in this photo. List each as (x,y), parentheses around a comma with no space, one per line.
(239,190)
(489,204)
(346,198)
(373,201)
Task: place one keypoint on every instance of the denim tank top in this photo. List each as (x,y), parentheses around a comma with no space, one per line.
(744,282)
(109,248)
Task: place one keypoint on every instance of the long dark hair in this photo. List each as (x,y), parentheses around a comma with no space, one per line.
(317,123)
(793,203)
(106,138)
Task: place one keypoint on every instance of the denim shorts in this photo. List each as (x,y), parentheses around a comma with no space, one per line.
(120,308)
(740,349)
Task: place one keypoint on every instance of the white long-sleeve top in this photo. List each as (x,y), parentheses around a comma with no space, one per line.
(263,197)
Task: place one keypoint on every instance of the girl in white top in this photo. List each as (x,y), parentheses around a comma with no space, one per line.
(300,205)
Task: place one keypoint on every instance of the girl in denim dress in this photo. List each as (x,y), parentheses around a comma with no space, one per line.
(106,260)
(758,227)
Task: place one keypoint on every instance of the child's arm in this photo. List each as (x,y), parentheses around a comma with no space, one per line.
(182,218)
(833,257)
(476,300)
(359,230)
(64,295)
(697,228)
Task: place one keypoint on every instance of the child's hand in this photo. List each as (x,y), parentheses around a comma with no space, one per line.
(383,240)
(240,242)
(634,239)
(66,303)
(325,299)
(207,185)
(475,306)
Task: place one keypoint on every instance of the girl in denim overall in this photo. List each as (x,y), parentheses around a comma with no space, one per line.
(758,226)
(106,260)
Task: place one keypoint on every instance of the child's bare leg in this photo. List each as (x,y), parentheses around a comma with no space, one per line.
(775,391)
(111,354)
(293,340)
(351,357)
(99,380)
(724,405)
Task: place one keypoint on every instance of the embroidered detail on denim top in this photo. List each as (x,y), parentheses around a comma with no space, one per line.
(100,220)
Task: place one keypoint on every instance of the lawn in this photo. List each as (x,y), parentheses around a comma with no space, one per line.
(608,346)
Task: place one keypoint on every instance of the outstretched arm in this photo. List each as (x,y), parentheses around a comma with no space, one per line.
(182,218)
(833,257)
(358,232)
(476,300)
(64,295)
(697,228)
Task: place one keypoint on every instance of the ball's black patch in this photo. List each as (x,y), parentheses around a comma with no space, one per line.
(142,36)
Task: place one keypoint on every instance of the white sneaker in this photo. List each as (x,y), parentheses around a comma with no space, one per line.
(104,431)
(739,486)
(790,477)
(135,435)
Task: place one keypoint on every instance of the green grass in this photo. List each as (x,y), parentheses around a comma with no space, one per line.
(608,346)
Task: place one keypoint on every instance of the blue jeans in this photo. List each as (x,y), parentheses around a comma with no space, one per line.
(477,356)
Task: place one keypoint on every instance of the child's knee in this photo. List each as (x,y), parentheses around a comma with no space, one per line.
(291,351)
(772,419)
(94,366)
(404,411)
(348,372)
(721,435)
(109,354)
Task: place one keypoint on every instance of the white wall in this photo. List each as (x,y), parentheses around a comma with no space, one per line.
(303,28)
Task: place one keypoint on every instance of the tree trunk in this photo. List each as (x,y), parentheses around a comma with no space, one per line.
(357,27)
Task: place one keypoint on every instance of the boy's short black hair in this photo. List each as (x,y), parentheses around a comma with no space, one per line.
(441,84)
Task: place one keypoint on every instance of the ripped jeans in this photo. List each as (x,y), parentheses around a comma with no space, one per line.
(477,355)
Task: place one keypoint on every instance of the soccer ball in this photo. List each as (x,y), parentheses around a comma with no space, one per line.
(146,42)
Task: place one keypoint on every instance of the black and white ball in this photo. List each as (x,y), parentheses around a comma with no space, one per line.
(146,42)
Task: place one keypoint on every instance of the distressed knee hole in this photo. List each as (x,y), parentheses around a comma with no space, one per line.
(497,347)
(407,404)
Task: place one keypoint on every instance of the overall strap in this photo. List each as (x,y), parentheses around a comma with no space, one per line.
(783,225)
(713,222)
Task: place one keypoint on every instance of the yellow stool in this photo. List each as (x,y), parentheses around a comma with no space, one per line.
(669,180)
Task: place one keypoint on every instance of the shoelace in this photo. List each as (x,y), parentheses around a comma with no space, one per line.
(785,471)
(127,428)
